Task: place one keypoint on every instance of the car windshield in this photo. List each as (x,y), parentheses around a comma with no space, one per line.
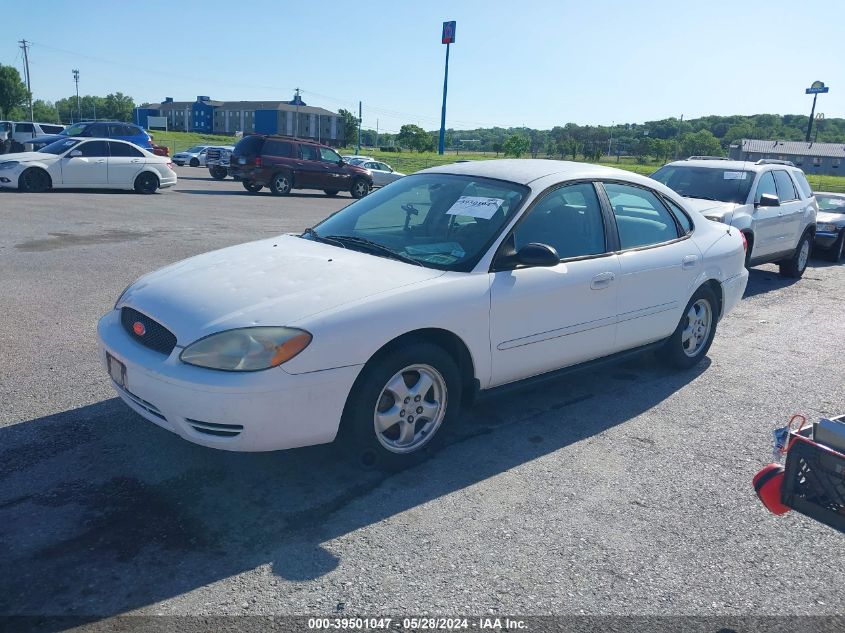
(195,150)
(831,204)
(710,183)
(59,147)
(74,130)
(437,220)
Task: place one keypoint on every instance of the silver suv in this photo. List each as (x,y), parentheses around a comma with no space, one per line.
(770,201)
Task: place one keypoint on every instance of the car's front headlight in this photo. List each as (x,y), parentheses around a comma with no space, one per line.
(827,228)
(247,349)
(9,164)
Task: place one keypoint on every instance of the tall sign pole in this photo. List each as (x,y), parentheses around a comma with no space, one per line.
(78,107)
(815,89)
(447,38)
(358,149)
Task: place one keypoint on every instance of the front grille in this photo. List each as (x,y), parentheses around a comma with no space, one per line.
(212,154)
(218,430)
(155,336)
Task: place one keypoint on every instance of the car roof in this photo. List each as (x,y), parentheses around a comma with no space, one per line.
(735,165)
(526,170)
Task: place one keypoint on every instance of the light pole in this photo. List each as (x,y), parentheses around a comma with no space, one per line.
(815,89)
(76,80)
(447,38)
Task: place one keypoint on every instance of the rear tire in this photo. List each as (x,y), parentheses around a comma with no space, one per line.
(360,188)
(251,186)
(146,183)
(194,162)
(834,253)
(692,338)
(795,266)
(401,406)
(218,173)
(34,180)
(331,192)
(281,184)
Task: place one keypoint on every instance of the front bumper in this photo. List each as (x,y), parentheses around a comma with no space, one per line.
(732,290)
(250,411)
(825,240)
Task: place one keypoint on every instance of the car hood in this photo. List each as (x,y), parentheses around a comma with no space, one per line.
(25,157)
(831,218)
(713,208)
(271,282)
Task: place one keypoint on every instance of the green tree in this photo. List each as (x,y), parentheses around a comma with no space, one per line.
(414,137)
(44,111)
(516,145)
(701,143)
(13,92)
(497,146)
(117,106)
(350,127)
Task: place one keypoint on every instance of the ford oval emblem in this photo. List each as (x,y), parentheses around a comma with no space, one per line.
(139,328)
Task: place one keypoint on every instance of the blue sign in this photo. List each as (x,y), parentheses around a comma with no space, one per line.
(448,36)
(817,87)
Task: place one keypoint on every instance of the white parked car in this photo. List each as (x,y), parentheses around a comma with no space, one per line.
(86,163)
(193,156)
(382,320)
(383,174)
(354,159)
(14,134)
(770,201)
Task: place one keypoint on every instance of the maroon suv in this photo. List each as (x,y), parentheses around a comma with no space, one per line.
(283,163)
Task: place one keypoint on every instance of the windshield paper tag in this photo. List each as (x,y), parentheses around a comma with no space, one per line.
(475,207)
(735,175)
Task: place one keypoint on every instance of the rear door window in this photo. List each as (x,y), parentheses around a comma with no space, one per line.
(641,218)
(124,149)
(801,179)
(51,129)
(329,155)
(277,148)
(24,127)
(786,190)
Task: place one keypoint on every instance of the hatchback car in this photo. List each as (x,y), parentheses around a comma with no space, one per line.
(378,323)
(97,129)
(830,225)
(283,163)
(770,201)
(82,163)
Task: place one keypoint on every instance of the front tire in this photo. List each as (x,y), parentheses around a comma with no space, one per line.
(401,406)
(281,184)
(218,173)
(834,254)
(795,266)
(34,180)
(194,162)
(146,183)
(251,186)
(360,188)
(692,338)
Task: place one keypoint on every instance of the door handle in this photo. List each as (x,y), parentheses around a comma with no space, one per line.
(690,261)
(136,160)
(299,164)
(101,161)
(602,280)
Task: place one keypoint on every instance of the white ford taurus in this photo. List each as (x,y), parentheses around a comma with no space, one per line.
(380,321)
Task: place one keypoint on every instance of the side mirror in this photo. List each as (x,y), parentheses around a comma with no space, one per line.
(75,153)
(768,200)
(535,254)
(341,162)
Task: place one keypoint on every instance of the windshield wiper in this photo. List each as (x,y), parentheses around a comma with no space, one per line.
(319,238)
(703,198)
(374,246)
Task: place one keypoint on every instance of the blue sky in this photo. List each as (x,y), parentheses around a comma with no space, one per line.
(535,63)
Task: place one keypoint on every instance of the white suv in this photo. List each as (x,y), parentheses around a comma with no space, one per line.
(770,201)
(13,134)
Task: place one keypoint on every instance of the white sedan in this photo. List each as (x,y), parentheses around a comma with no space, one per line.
(378,323)
(383,174)
(86,163)
(193,156)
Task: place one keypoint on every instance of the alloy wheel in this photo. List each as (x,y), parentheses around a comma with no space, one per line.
(699,322)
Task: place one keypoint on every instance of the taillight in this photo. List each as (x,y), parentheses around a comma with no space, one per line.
(258,161)
(744,242)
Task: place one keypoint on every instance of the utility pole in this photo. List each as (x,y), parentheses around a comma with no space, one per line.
(25,46)
(678,138)
(448,38)
(358,149)
(78,108)
(376,132)
(610,140)
(296,124)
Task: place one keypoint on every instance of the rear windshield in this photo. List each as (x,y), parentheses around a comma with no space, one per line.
(709,183)
(249,146)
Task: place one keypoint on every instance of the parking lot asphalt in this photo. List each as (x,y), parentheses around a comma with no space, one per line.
(622,490)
